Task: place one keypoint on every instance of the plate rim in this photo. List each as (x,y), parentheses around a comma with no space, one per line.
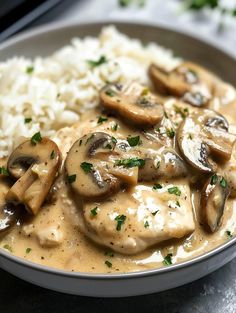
(56,26)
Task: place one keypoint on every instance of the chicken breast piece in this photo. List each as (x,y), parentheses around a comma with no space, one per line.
(131,221)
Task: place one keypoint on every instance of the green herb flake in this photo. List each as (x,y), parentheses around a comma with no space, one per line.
(90,138)
(133,141)
(167,259)
(109,253)
(132,162)
(52,155)
(146,224)
(108,263)
(99,62)
(114,140)
(120,221)
(29,69)
(183,112)
(155,212)
(223,182)
(114,127)
(157,186)
(28,120)
(36,138)
(157,166)
(177,203)
(214,179)
(170,132)
(145,92)
(165,114)
(28,250)
(228,234)
(4,171)
(86,167)
(174,190)
(80,142)
(94,211)
(109,93)
(102,119)
(71,178)
(8,247)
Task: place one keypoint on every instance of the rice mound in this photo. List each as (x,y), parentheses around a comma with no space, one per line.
(55,90)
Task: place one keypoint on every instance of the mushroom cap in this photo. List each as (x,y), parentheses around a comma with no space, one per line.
(213,198)
(188,80)
(203,135)
(87,161)
(133,102)
(34,167)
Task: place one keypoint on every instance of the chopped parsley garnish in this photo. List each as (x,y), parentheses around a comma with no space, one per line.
(146,224)
(223,182)
(108,263)
(80,142)
(94,211)
(86,167)
(71,178)
(167,259)
(125,3)
(228,234)
(29,69)
(110,93)
(177,203)
(28,120)
(157,186)
(99,62)
(90,138)
(36,138)
(109,253)
(108,146)
(158,164)
(174,190)
(170,132)
(52,155)
(190,136)
(155,212)
(132,162)
(145,92)
(28,250)
(183,112)
(165,114)
(120,221)
(4,171)
(114,127)
(7,247)
(214,179)
(133,141)
(113,139)
(102,119)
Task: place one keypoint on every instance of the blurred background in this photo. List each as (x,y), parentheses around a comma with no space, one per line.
(213,20)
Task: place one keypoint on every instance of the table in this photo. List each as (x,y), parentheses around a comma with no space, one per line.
(215,293)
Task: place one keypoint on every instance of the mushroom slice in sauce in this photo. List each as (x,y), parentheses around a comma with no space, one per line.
(167,165)
(35,166)
(213,199)
(203,135)
(94,173)
(189,81)
(133,102)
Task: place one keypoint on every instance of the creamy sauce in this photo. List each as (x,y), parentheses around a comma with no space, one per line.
(65,235)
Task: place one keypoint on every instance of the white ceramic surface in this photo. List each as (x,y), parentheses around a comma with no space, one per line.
(45,40)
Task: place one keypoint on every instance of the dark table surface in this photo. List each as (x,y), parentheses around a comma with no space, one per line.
(215,293)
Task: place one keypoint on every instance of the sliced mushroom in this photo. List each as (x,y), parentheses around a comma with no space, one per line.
(133,102)
(213,199)
(94,174)
(190,81)
(202,136)
(167,165)
(34,167)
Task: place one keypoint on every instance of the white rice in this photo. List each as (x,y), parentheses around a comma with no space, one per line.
(62,85)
